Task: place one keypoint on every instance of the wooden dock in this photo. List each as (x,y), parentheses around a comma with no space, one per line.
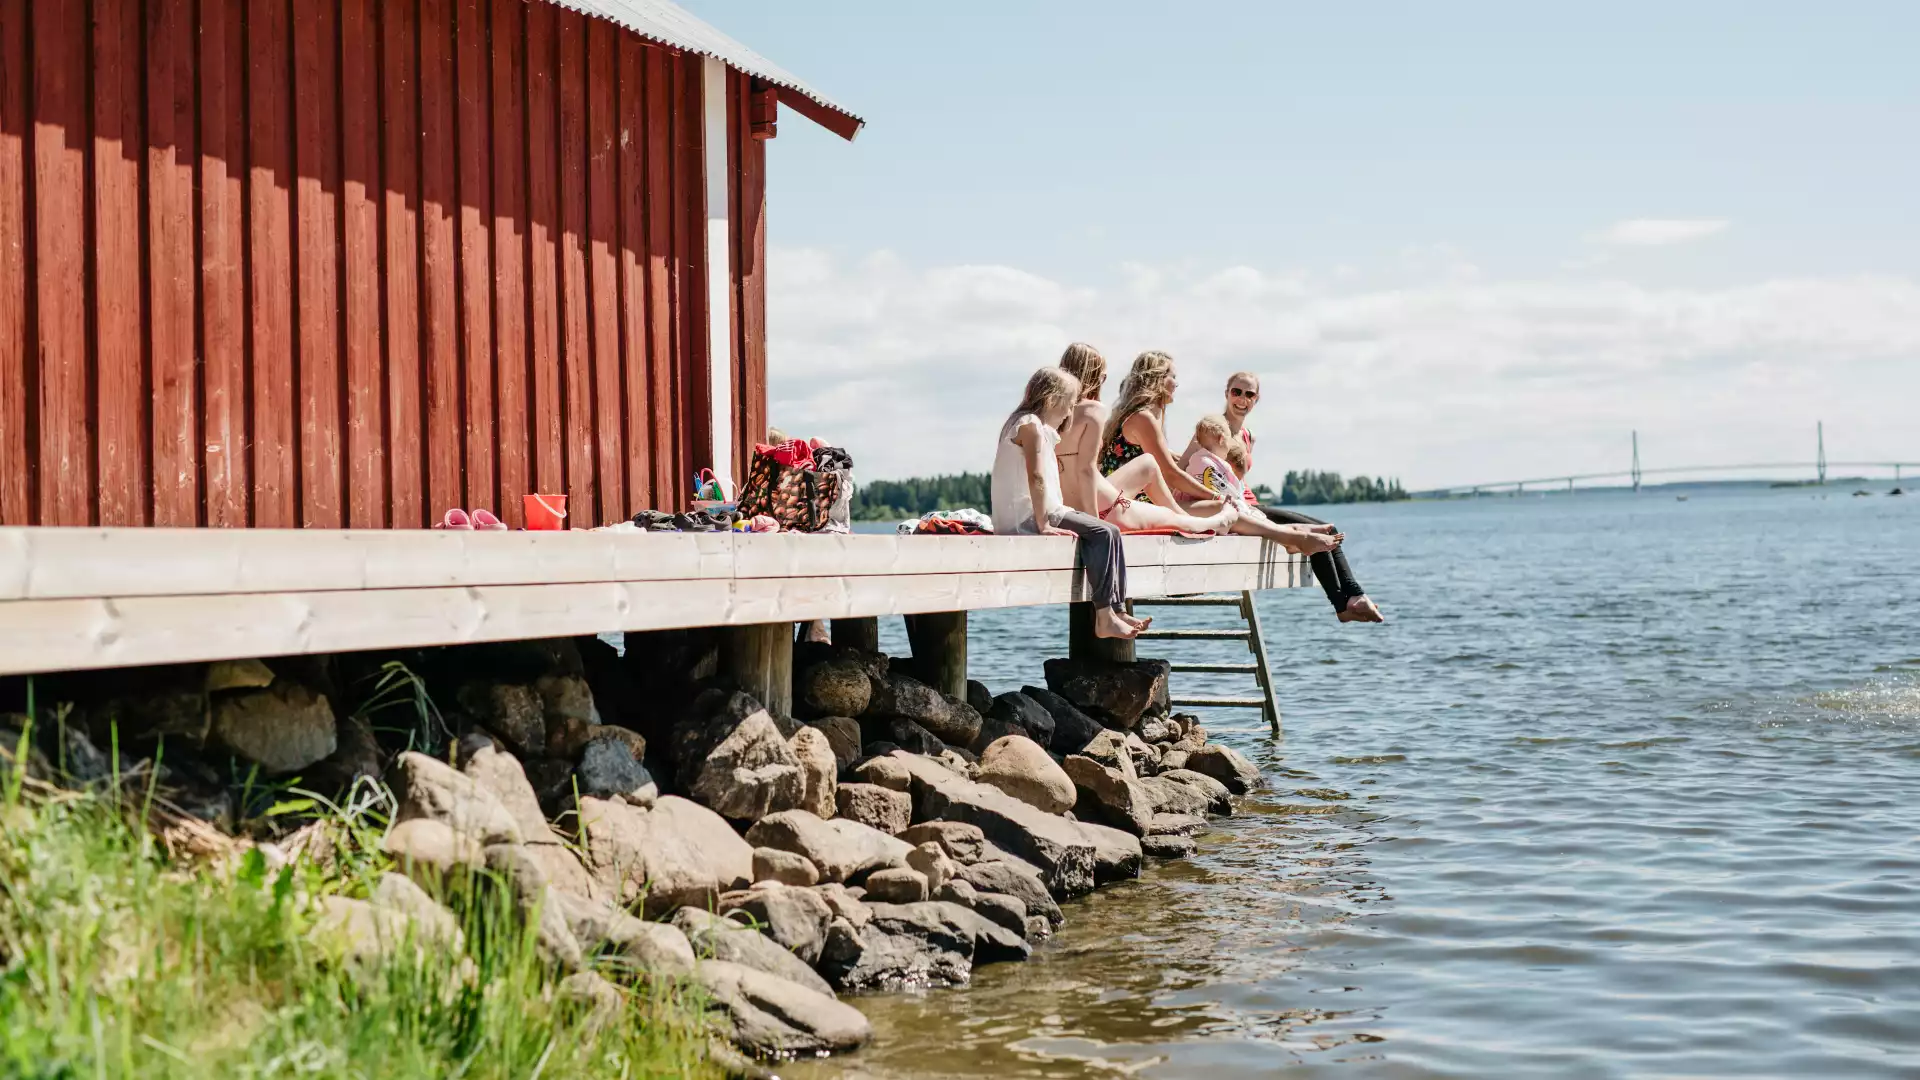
(81,598)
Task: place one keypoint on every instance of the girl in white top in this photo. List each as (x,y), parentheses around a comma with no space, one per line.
(1026,497)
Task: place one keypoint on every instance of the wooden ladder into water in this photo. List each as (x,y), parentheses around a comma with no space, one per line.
(1249,632)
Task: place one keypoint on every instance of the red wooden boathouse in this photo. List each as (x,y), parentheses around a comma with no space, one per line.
(347,263)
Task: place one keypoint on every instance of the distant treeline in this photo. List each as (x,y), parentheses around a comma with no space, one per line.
(1307,488)
(894,500)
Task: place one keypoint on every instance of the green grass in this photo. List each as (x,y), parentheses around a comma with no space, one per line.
(118,961)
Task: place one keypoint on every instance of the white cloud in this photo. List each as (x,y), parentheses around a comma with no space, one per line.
(1442,375)
(1659,232)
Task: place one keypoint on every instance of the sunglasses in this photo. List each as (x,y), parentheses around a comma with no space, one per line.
(1250,395)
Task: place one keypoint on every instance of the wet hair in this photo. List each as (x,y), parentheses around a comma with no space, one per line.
(1145,387)
(1084,362)
(1050,388)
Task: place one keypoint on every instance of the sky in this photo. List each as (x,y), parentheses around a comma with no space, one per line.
(1460,243)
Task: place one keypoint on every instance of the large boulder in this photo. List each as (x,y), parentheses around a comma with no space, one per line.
(955,927)
(1116,853)
(1117,693)
(437,791)
(611,767)
(904,734)
(1219,799)
(874,806)
(283,728)
(429,851)
(742,768)
(1106,794)
(906,698)
(1020,767)
(834,688)
(675,853)
(535,902)
(773,1017)
(511,711)
(1015,713)
(896,885)
(963,843)
(1109,748)
(839,849)
(716,937)
(1072,728)
(795,918)
(1015,879)
(884,772)
(1054,845)
(960,727)
(1226,765)
(843,734)
(979,696)
(635,946)
(770,864)
(1173,797)
(866,957)
(1008,911)
(818,769)
(1177,825)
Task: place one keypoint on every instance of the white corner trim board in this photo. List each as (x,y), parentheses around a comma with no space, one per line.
(719,272)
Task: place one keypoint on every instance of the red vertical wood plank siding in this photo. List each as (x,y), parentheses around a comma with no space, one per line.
(576,387)
(222,70)
(609,465)
(17,452)
(399,128)
(171,271)
(317,238)
(270,271)
(61,246)
(543,299)
(510,240)
(328,262)
(360,213)
(474,197)
(119,143)
(439,319)
(631,192)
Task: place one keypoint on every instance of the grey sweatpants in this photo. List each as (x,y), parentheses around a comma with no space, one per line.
(1100,550)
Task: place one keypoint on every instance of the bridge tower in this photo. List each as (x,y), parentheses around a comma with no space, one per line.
(1820,437)
(1636,461)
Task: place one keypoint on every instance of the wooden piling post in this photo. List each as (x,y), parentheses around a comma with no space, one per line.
(939,641)
(760,659)
(862,634)
(1083,645)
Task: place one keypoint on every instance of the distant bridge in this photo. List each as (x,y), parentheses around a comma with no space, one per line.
(1633,475)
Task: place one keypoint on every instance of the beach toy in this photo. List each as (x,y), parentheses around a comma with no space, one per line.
(546,512)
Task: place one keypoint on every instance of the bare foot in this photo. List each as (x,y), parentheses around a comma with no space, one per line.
(1222,523)
(1361,609)
(1133,620)
(1313,543)
(1108,624)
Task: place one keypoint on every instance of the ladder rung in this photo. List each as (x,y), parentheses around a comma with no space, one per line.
(1220,702)
(1220,669)
(1196,635)
(1189,601)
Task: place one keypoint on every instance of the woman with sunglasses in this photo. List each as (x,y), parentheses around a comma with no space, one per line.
(1350,601)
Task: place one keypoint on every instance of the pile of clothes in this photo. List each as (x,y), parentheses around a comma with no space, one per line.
(715,519)
(948,523)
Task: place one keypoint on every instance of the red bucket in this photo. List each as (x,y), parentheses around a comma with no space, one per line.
(546,512)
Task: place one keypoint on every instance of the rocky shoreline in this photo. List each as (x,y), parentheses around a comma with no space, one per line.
(652,823)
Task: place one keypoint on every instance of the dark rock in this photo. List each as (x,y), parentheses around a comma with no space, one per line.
(843,734)
(552,781)
(566,699)
(979,696)
(960,727)
(357,753)
(906,735)
(836,688)
(1018,713)
(795,918)
(896,885)
(963,843)
(715,937)
(1167,846)
(953,927)
(839,849)
(1072,728)
(1119,693)
(511,711)
(1105,794)
(1013,879)
(876,807)
(774,1017)
(911,699)
(610,769)
(869,958)
(238,675)
(282,729)
(1008,911)
(1226,765)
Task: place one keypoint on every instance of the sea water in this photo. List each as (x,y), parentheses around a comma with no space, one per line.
(1629,786)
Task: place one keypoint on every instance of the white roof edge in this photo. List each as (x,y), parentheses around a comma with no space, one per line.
(669,24)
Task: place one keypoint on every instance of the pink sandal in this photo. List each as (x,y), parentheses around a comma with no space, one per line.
(486,522)
(455,519)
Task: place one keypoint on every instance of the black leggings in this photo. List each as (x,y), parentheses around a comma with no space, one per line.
(1330,567)
(1106,561)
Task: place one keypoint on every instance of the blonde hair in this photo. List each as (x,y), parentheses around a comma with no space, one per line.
(1145,388)
(1246,375)
(1048,389)
(1084,362)
(1215,425)
(1237,457)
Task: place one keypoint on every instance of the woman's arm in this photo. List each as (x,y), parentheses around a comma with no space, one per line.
(1144,430)
(1026,439)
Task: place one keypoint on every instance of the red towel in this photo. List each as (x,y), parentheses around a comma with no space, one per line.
(792,453)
